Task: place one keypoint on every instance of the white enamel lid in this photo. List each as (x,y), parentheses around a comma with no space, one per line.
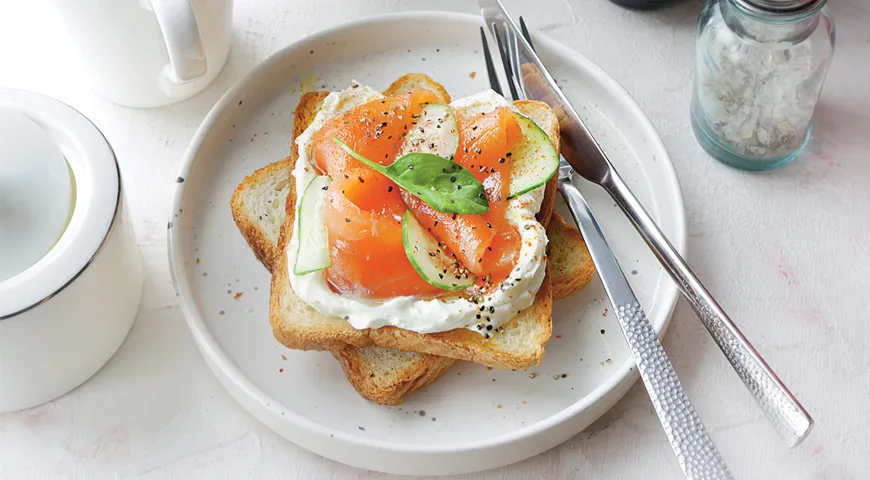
(92,191)
(35,193)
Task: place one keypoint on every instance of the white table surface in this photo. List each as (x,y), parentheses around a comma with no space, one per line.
(785,252)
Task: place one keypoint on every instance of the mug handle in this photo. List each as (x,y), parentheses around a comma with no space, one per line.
(187,60)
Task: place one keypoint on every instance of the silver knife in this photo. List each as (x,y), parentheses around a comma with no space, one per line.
(585,155)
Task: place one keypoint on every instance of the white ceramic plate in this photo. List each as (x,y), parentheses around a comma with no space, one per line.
(472,418)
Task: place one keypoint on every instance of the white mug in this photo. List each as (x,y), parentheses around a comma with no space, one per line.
(148,53)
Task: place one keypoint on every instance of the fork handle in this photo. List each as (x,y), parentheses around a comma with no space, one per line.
(696,453)
(773,397)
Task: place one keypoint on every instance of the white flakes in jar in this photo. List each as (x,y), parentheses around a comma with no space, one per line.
(757,99)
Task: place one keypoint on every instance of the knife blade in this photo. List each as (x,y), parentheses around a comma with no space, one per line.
(535,80)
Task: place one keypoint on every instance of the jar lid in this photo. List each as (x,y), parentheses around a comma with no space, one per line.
(781,7)
(36,199)
(78,194)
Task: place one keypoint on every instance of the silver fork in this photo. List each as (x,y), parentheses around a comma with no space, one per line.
(696,453)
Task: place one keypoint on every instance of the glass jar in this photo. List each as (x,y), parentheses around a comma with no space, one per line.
(760,66)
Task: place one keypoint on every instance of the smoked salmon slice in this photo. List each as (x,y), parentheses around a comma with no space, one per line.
(363,216)
(364,208)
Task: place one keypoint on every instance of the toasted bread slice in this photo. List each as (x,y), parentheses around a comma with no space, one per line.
(386,375)
(520,344)
(379,374)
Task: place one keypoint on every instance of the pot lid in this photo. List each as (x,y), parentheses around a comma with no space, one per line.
(35,193)
(61,169)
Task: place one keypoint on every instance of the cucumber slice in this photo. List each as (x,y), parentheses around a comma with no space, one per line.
(313,252)
(435,132)
(435,266)
(534,158)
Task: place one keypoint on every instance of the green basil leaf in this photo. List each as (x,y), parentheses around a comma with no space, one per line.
(442,183)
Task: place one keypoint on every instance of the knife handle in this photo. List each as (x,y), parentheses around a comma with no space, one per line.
(696,453)
(776,401)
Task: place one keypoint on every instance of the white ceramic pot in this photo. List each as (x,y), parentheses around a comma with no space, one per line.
(66,313)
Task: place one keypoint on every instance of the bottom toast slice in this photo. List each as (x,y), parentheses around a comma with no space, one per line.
(386,375)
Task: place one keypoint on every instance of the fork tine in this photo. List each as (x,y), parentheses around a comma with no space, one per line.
(526,32)
(513,48)
(505,61)
(490,67)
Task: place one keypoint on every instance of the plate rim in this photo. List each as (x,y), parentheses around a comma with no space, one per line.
(216,357)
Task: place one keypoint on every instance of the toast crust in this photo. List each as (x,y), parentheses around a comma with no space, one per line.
(467,345)
(409,81)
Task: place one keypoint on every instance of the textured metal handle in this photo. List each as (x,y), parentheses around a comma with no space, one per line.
(776,401)
(696,453)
